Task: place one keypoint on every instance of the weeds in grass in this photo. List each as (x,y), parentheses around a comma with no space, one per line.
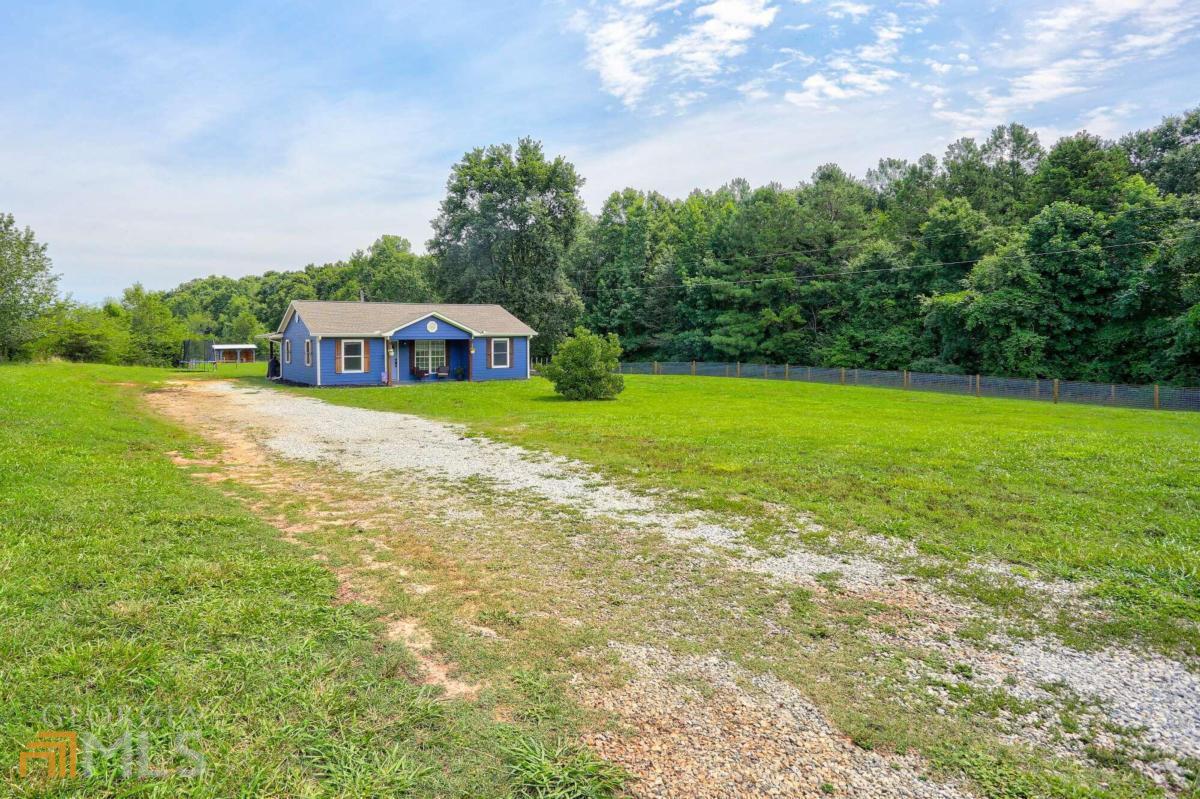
(560,771)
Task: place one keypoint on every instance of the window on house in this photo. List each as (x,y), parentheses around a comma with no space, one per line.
(287,351)
(352,355)
(501,353)
(308,352)
(430,355)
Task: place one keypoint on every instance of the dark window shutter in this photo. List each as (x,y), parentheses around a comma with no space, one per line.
(412,356)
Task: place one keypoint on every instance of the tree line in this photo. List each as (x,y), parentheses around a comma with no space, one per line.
(1002,257)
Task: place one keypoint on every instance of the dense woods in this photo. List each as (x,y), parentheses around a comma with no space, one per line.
(1003,257)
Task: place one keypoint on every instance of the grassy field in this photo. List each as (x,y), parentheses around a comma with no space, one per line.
(1074,492)
(138,601)
(141,600)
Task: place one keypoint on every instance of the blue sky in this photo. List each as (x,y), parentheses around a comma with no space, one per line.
(158,142)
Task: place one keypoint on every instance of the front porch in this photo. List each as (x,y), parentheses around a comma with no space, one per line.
(416,360)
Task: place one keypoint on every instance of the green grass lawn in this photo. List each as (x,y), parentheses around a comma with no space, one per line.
(139,601)
(256,369)
(1069,491)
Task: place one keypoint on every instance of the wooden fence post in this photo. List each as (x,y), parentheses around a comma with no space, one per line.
(1157,406)
(808,373)
(739,368)
(1056,389)
(903,378)
(727,370)
(787,372)
(856,377)
(1112,392)
(843,376)
(977,387)
(693,368)
(654,367)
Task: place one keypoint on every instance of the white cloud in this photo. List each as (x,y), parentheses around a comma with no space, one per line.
(617,51)
(755,89)
(861,72)
(722,34)
(817,89)
(620,49)
(1070,50)
(850,83)
(1147,26)
(887,40)
(681,100)
(1109,121)
(841,9)
(791,56)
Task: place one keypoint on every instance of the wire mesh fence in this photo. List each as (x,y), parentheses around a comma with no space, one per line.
(1155,397)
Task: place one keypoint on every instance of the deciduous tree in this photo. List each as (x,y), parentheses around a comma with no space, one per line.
(27,286)
(503,232)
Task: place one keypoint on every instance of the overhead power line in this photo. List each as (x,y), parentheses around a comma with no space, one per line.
(758,258)
(701,283)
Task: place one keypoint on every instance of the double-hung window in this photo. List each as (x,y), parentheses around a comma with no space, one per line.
(501,353)
(308,352)
(430,355)
(287,350)
(352,355)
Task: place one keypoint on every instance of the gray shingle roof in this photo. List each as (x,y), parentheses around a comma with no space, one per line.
(329,318)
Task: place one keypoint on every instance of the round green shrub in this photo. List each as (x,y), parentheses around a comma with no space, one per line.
(585,366)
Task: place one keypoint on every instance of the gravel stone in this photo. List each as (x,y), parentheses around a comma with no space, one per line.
(705,727)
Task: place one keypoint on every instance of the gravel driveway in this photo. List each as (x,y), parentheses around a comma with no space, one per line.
(1133,689)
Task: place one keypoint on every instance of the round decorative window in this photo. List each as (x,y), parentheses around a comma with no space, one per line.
(431,326)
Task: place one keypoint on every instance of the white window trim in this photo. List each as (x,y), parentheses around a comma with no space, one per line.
(445,354)
(362,357)
(308,352)
(287,350)
(507,354)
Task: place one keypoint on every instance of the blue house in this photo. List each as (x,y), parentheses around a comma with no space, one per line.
(386,343)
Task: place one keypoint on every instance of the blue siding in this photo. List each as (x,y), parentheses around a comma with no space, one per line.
(372,377)
(417,330)
(520,362)
(297,333)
